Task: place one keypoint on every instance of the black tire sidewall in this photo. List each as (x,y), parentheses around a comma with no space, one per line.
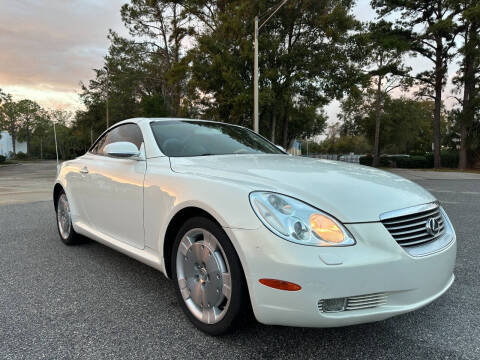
(239,289)
(72,237)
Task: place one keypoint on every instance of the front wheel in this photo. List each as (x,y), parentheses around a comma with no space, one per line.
(64,221)
(208,276)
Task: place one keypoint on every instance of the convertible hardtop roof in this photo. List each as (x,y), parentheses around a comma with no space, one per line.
(141,120)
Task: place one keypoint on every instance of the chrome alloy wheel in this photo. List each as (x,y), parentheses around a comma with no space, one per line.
(63,217)
(203,275)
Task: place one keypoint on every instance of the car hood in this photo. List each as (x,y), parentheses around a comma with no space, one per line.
(350,192)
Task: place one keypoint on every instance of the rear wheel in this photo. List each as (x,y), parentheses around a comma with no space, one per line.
(64,221)
(208,276)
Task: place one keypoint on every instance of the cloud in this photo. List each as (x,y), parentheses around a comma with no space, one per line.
(50,46)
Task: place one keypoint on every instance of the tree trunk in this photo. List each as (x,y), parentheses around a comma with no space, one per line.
(274,125)
(41,148)
(468,114)
(439,73)
(378,109)
(28,140)
(285,130)
(14,138)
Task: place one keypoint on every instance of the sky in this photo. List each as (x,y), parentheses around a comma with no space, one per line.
(47,47)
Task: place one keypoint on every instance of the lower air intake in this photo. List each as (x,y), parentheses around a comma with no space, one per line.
(352,303)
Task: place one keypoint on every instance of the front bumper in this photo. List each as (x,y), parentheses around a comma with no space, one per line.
(376,264)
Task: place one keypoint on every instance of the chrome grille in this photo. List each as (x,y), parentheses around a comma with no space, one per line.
(411,229)
(360,302)
(366,301)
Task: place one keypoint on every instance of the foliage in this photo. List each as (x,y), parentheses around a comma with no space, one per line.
(2,159)
(467,81)
(305,60)
(406,123)
(357,144)
(432,29)
(194,58)
(449,160)
(10,118)
(21,156)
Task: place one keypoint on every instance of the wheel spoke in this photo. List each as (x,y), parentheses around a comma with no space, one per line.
(185,245)
(209,315)
(197,294)
(63,217)
(227,285)
(209,240)
(183,288)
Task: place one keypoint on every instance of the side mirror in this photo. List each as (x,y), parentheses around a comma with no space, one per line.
(121,149)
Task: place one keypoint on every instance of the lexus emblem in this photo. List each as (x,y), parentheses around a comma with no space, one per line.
(432,225)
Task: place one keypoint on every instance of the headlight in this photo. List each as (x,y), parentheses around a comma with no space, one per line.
(298,222)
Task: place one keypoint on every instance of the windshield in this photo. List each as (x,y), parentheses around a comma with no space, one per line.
(195,138)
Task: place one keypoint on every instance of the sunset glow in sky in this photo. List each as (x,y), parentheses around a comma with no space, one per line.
(48,46)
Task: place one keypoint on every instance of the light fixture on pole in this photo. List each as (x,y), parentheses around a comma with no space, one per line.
(255,65)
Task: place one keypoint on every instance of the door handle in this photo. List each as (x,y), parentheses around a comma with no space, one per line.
(84,170)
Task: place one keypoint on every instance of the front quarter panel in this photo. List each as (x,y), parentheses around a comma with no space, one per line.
(70,178)
(167,192)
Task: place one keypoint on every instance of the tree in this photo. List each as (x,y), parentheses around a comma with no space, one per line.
(43,130)
(433,30)
(406,123)
(28,113)
(469,77)
(68,144)
(160,27)
(10,119)
(304,61)
(3,98)
(384,49)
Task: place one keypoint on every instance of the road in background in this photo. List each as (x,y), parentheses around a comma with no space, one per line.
(27,182)
(92,302)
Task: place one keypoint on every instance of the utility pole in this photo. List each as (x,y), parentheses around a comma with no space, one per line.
(255,79)
(257,27)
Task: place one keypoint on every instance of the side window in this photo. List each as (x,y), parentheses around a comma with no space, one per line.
(126,132)
(99,144)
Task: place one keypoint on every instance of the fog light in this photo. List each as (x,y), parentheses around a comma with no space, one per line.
(333,305)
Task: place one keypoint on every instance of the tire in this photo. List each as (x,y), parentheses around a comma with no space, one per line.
(64,221)
(208,277)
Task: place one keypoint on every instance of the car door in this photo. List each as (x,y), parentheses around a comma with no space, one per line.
(113,198)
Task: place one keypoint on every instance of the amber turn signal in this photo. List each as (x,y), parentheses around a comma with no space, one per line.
(280,284)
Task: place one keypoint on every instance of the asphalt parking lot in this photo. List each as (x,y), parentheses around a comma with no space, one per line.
(91,302)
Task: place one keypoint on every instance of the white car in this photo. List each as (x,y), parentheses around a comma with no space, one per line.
(239,225)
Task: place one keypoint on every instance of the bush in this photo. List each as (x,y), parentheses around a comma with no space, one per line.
(385,161)
(366,160)
(413,162)
(2,158)
(448,159)
(21,156)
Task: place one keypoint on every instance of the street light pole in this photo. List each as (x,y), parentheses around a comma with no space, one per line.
(255,65)
(255,79)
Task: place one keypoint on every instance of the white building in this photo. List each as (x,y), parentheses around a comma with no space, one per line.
(6,146)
